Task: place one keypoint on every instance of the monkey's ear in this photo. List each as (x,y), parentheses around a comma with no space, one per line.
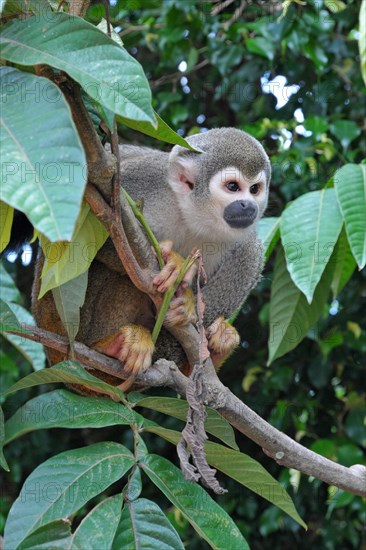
(183,175)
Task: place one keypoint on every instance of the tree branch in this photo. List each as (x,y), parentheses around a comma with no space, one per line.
(275,444)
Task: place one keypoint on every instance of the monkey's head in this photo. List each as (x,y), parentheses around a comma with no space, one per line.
(225,187)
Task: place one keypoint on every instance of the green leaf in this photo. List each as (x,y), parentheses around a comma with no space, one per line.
(43,160)
(63,409)
(144,525)
(97,530)
(310,227)
(67,372)
(32,351)
(162,132)
(317,55)
(215,424)
(291,316)
(355,425)
(104,69)
(362,39)
(8,320)
(3,462)
(65,261)
(69,298)
(268,232)
(55,535)
(346,131)
(62,485)
(316,125)
(344,264)
(133,488)
(9,291)
(252,475)
(243,469)
(210,521)
(6,220)
(335,6)
(350,186)
(103,26)
(261,46)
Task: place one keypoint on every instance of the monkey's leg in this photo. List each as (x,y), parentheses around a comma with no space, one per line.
(223,338)
(132,344)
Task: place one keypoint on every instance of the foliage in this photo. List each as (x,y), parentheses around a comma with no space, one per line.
(207,66)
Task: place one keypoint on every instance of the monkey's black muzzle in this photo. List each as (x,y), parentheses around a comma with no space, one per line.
(240,214)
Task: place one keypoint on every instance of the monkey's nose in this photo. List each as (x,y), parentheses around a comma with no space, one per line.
(241,214)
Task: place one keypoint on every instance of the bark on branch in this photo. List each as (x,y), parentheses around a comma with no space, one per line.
(275,444)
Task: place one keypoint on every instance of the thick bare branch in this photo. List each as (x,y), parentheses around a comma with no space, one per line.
(275,444)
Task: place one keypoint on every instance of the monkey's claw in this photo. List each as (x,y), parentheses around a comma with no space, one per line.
(182,310)
(222,338)
(132,344)
(169,273)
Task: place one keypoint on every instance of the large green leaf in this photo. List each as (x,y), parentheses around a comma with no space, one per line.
(215,424)
(69,298)
(252,475)
(43,160)
(210,521)
(310,227)
(63,409)
(243,469)
(98,528)
(65,261)
(344,264)
(67,372)
(291,316)
(9,291)
(6,220)
(162,132)
(62,485)
(32,351)
(144,525)
(104,69)
(55,535)
(268,232)
(350,186)
(8,319)
(3,462)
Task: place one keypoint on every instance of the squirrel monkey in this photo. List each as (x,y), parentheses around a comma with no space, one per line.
(209,200)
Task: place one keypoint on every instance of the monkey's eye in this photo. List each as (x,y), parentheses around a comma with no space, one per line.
(232,186)
(254,189)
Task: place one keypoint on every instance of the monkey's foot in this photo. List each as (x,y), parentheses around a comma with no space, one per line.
(182,309)
(132,344)
(173,263)
(222,338)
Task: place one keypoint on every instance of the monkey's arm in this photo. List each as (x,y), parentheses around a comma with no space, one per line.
(228,288)
(225,292)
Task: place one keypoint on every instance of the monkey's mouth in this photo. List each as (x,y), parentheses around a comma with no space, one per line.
(240,214)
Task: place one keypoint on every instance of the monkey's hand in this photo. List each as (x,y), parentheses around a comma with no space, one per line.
(173,263)
(182,309)
(222,338)
(132,344)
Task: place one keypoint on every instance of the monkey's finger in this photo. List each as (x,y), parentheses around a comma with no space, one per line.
(166,248)
(165,272)
(189,276)
(166,277)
